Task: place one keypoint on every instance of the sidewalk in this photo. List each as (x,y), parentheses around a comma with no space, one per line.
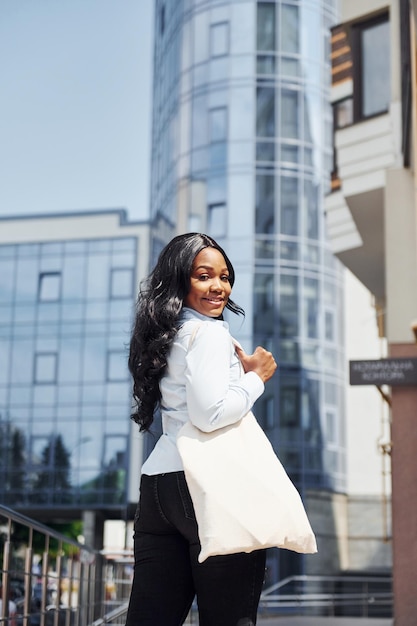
(324,621)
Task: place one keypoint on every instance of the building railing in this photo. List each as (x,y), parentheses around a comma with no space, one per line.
(348,595)
(49,579)
(53,580)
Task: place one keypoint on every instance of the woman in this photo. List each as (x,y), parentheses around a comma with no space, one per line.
(183,298)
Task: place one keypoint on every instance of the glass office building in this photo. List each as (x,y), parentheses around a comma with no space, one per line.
(67,288)
(242,149)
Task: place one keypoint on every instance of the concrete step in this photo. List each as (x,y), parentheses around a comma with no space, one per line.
(324,621)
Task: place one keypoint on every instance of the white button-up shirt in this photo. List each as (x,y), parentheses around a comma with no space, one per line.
(204,383)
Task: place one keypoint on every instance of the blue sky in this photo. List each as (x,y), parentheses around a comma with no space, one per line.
(75,105)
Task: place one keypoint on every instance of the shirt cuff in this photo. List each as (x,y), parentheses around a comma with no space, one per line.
(254,385)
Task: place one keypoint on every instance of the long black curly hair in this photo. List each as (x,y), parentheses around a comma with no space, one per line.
(158,307)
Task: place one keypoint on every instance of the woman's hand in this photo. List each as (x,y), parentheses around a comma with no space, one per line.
(261,362)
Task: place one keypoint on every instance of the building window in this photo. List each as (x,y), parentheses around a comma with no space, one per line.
(372,67)
(162,20)
(288,309)
(331,427)
(265,27)
(269,413)
(265,203)
(116,366)
(217,137)
(45,368)
(268,293)
(289,127)
(218,124)
(265,64)
(217,220)
(311,307)
(289,206)
(194,223)
(115,451)
(121,283)
(265,112)
(265,152)
(219,39)
(290,29)
(49,286)
(329,326)
(289,406)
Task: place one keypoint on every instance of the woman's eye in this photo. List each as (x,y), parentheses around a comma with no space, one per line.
(203,277)
(225,278)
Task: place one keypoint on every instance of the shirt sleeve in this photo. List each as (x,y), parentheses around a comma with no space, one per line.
(213,399)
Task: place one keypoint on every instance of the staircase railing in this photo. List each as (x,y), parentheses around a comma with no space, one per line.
(49,579)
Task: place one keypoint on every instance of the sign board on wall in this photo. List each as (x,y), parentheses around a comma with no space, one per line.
(394,372)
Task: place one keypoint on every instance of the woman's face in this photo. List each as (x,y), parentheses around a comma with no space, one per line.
(209,283)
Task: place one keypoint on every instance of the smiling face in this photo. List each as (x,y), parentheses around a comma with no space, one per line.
(209,283)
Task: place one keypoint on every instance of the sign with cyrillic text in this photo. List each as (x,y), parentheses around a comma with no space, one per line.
(394,372)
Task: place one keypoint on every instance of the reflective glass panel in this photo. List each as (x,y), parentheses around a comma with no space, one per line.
(290,66)
(289,205)
(289,114)
(290,28)
(265,29)
(289,153)
(74,278)
(121,283)
(49,286)
(265,203)
(265,64)
(311,307)
(117,365)
(265,112)
(219,39)
(7,279)
(216,192)
(288,309)
(45,370)
(375,61)
(218,124)
(217,220)
(265,151)
(311,210)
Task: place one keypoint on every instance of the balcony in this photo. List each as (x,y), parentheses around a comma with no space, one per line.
(355,213)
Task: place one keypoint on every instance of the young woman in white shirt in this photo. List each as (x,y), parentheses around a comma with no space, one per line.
(190,286)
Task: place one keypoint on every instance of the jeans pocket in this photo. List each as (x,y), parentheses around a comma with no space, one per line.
(185,496)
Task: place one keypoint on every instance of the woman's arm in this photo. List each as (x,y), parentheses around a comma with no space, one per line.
(213,399)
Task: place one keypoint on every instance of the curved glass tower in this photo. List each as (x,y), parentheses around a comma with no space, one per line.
(242,150)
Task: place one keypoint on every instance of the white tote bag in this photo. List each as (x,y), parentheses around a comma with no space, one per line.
(242,496)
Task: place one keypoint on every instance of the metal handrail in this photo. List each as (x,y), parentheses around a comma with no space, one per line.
(15,516)
(75,593)
(358,593)
(92,587)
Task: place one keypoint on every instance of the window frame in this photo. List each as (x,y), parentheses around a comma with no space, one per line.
(213,26)
(43,275)
(113,272)
(213,206)
(357,50)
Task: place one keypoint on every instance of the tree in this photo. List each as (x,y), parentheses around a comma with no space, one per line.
(53,484)
(12,464)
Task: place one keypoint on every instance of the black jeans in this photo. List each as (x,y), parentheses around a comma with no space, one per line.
(167,574)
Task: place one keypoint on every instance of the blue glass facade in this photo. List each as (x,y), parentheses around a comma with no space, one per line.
(242,149)
(65,317)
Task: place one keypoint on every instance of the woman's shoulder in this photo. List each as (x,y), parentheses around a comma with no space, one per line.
(197,328)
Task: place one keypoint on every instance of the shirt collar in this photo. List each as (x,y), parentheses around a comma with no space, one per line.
(189,314)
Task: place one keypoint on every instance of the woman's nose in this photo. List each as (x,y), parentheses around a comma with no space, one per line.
(216,284)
